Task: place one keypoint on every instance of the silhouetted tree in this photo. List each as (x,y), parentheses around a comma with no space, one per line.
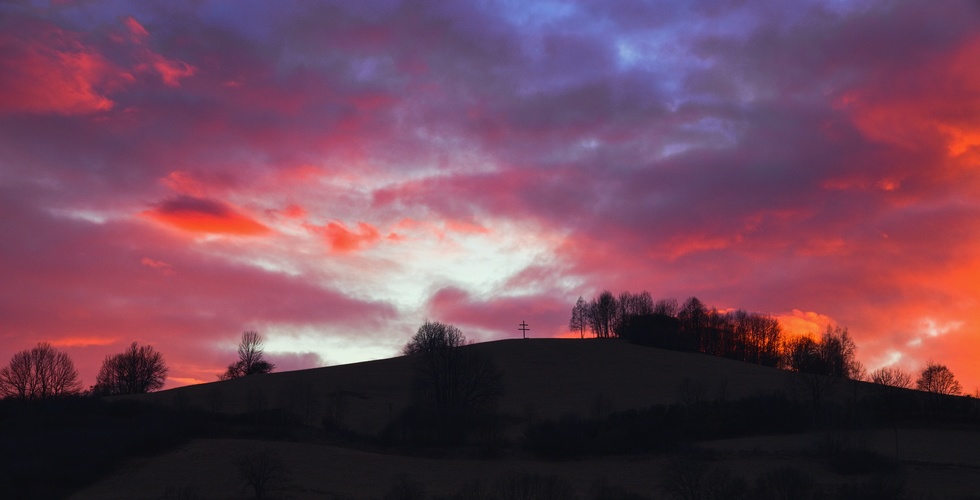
(892,376)
(936,378)
(805,356)
(666,307)
(838,350)
(138,370)
(39,372)
(433,337)
(832,356)
(452,381)
(694,318)
(628,307)
(250,362)
(602,313)
(579,321)
(752,337)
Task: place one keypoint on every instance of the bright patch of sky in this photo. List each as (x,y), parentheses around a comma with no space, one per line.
(333,345)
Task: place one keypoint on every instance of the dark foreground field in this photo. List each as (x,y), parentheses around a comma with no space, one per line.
(577,419)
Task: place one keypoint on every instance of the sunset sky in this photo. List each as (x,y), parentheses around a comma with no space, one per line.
(332,173)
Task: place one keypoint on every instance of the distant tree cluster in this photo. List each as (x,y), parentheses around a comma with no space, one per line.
(740,335)
(832,355)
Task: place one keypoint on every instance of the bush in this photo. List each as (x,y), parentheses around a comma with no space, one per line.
(262,471)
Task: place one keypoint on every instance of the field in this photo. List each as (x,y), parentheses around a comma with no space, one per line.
(544,379)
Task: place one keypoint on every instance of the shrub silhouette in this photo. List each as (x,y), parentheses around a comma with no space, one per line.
(262,471)
(250,358)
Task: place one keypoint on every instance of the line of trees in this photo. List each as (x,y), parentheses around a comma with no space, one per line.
(741,335)
(692,326)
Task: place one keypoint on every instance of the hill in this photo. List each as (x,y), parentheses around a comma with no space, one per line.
(561,381)
(544,378)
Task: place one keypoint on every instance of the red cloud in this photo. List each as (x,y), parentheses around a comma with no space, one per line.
(50,70)
(202,215)
(343,240)
(938,101)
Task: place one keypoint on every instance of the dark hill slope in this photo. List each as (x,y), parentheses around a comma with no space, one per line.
(543,378)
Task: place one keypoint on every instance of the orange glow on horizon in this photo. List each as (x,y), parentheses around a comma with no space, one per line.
(233,224)
(84,341)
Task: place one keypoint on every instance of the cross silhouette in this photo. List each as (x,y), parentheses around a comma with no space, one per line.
(523,328)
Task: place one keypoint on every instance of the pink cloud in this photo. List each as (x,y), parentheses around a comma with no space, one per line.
(135,28)
(184,314)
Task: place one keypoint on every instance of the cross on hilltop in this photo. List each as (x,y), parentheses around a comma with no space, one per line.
(523,328)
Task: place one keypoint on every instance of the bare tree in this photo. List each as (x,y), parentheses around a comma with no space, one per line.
(250,362)
(693,316)
(833,355)
(602,314)
(452,382)
(137,370)
(837,349)
(892,376)
(805,356)
(938,379)
(434,336)
(38,373)
(630,306)
(579,321)
(666,307)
